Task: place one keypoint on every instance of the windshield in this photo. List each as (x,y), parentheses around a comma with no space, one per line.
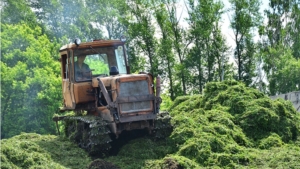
(94,62)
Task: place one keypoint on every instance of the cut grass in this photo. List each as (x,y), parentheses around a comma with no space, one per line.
(30,150)
(230,126)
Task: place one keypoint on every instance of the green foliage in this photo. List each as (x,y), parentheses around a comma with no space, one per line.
(31,87)
(286,156)
(108,14)
(246,17)
(16,12)
(99,67)
(141,31)
(167,60)
(286,78)
(166,102)
(295,35)
(230,126)
(172,161)
(280,46)
(29,150)
(206,57)
(68,18)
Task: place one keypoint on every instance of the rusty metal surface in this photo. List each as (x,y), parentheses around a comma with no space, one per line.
(87,45)
(126,99)
(149,124)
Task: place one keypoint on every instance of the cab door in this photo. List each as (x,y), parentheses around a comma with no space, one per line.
(67,86)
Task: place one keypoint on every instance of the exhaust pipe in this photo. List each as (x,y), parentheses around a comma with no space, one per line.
(158,86)
(157,94)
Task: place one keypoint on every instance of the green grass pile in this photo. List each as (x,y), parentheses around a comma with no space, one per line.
(234,126)
(229,126)
(30,150)
(141,152)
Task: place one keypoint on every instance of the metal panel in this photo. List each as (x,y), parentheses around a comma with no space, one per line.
(83,92)
(134,90)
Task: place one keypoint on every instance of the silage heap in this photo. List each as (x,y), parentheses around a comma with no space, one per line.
(230,126)
(233,126)
(31,150)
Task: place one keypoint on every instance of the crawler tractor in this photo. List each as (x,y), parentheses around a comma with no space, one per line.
(105,98)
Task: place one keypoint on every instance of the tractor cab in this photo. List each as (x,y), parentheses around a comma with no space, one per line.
(81,63)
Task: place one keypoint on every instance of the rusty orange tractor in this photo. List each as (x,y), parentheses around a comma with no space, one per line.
(106,98)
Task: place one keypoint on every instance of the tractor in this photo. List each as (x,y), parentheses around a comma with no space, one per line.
(105,98)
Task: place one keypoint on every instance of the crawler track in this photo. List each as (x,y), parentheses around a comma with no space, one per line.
(90,133)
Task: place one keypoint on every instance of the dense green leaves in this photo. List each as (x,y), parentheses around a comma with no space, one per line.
(29,81)
(245,19)
(282,70)
(17,11)
(206,58)
(280,42)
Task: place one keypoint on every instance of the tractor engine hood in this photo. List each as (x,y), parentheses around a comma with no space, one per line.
(132,95)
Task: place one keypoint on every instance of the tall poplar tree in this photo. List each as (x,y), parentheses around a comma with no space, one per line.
(180,43)
(142,35)
(106,15)
(280,39)
(245,19)
(67,19)
(167,60)
(205,57)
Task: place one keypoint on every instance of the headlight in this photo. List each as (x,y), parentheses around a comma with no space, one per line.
(123,38)
(77,41)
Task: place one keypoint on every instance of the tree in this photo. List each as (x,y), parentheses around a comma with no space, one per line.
(293,29)
(107,14)
(17,11)
(180,45)
(167,60)
(68,19)
(286,77)
(30,81)
(280,37)
(277,15)
(207,55)
(246,18)
(142,31)
(224,70)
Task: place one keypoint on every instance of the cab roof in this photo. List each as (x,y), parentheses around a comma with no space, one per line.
(95,43)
